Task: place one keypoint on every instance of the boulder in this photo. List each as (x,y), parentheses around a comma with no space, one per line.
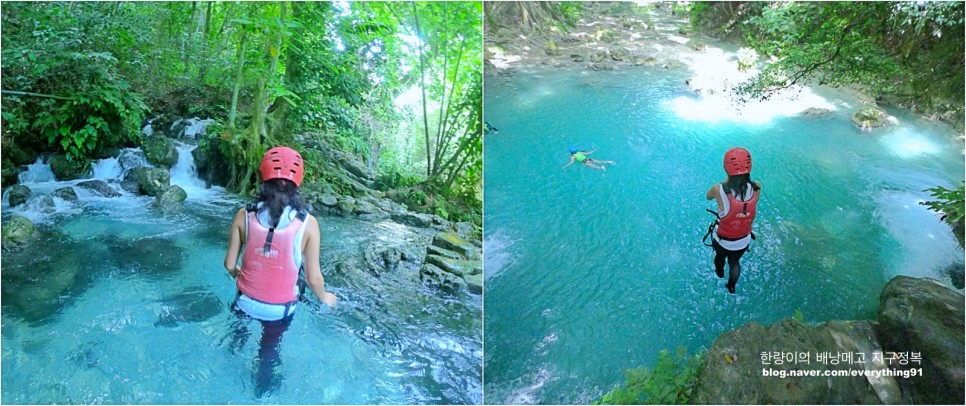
(160,151)
(171,197)
(816,112)
(64,169)
(597,57)
(576,57)
(551,48)
(442,252)
(456,267)
(129,182)
(18,194)
(66,193)
(9,175)
(17,232)
(432,276)
(698,46)
(152,181)
(380,258)
(412,219)
(617,53)
(455,243)
(364,207)
(474,283)
(922,315)
(42,204)
(734,369)
(132,158)
(100,187)
(869,117)
(347,204)
(328,200)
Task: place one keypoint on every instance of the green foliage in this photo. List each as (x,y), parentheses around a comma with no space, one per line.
(670,382)
(949,203)
(799,316)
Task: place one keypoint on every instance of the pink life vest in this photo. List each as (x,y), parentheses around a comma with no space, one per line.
(268,272)
(737,223)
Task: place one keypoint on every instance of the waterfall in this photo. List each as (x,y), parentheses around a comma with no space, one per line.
(37,172)
(185,174)
(108,169)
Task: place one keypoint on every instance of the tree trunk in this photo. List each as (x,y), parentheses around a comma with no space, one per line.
(239,75)
(422,88)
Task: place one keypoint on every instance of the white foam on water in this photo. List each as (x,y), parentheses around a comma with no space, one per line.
(108,169)
(904,142)
(496,253)
(185,175)
(927,243)
(197,128)
(37,172)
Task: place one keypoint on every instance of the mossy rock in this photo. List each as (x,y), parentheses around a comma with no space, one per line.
(698,46)
(551,48)
(455,243)
(474,283)
(152,181)
(160,151)
(869,117)
(174,196)
(64,169)
(17,231)
(597,57)
(9,175)
(66,193)
(18,194)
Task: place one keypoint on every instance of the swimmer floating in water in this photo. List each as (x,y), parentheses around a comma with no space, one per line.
(581,156)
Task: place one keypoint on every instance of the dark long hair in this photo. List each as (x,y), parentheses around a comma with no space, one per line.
(277,193)
(738,185)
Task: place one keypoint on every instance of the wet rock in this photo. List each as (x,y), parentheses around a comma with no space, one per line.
(698,46)
(551,48)
(171,197)
(380,258)
(129,182)
(328,200)
(160,151)
(66,193)
(9,175)
(18,194)
(442,252)
(413,219)
(456,267)
(455,243)
(149,256)
(597,57)
(576,57)
(364,207)
(132,158)
(100,187)
(816,112)
(735,359)
(42,204)
(601,67)
(474,283)
(432,276)
(923,315)
(152,181)
(194,305)
(17,232)
(346,205)
(869,118)
(64,169)
(374,217)
(617,53)
(605,35)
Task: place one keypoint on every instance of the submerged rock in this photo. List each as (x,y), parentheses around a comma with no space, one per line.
(194,305)
(149,255)
(100,187)
(17,232)
(18,194)
(922,315)
(816,112)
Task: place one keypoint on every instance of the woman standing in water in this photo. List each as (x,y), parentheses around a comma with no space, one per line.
(280,238)
(737,199)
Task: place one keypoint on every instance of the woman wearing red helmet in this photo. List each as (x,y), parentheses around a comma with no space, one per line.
(280,237)
(737,199)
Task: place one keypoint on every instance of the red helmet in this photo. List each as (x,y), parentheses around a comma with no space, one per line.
(737,161)
(282,163)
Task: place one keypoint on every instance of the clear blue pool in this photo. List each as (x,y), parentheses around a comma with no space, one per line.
(589,273)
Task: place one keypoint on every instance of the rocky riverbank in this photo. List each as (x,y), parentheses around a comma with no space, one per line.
(918,335)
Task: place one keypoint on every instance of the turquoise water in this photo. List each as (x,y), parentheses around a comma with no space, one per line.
(590,273)
(84,310)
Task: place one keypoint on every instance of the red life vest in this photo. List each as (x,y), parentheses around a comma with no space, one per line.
(737,223)
(268,272)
